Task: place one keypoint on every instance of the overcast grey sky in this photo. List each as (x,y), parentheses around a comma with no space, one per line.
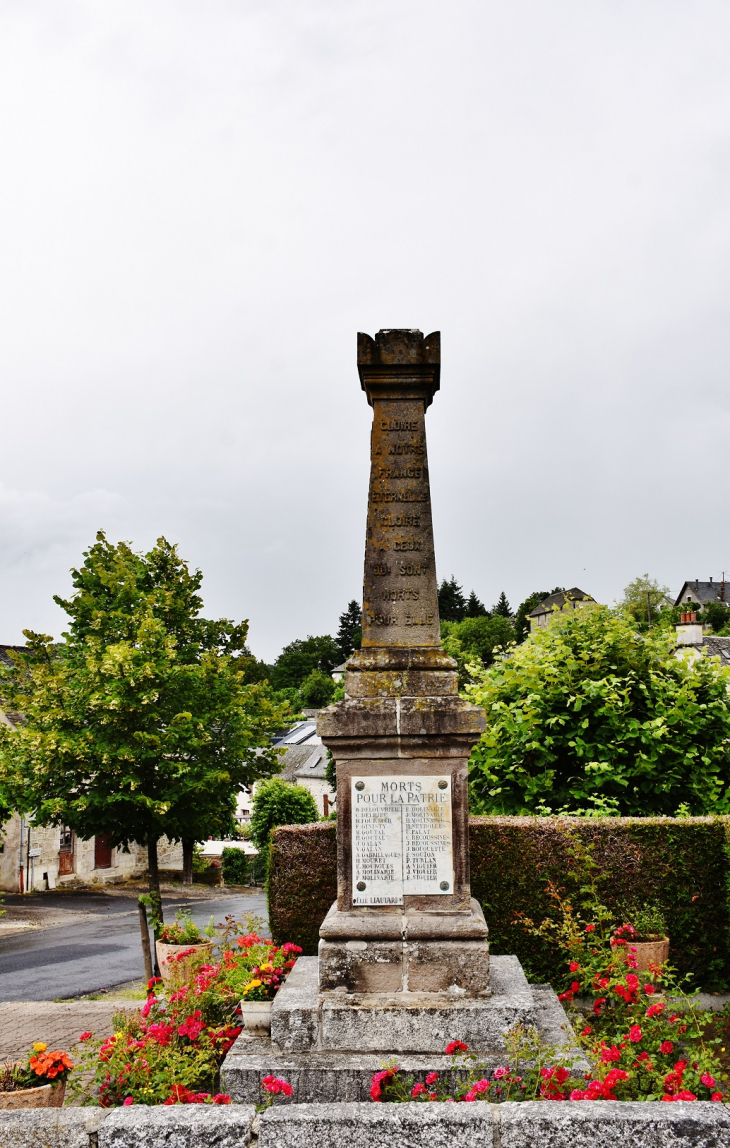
(203,202)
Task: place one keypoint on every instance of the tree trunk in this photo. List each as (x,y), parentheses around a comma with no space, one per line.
(187,850)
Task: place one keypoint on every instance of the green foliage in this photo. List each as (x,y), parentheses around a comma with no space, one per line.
(277,802)
(591,716)
(716,614)
(349,634)
(183,930)
(297,660)
(317,689)
(644,599)
(234,864)
(475,640)
(330,771)
(451,600)
(679,866)
(502,609)
(475,608)
(140,723)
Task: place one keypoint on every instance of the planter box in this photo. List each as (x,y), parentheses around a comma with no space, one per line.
(45,1096)
(181,970)
(256,1016)
(650,953)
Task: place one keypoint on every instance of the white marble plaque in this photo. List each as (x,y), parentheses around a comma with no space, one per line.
(401,838)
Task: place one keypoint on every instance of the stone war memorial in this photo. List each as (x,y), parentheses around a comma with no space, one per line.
(404,964)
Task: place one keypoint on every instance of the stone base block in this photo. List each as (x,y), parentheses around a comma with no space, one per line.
(317,1074)
(303,1019)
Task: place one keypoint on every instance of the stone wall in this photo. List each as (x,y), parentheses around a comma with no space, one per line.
(533,1124)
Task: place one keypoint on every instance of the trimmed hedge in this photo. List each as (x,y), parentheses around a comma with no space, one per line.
(681,865)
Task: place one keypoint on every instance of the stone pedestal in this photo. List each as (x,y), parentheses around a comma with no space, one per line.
(404,921)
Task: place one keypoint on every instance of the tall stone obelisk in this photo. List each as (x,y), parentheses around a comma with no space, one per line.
(404,922)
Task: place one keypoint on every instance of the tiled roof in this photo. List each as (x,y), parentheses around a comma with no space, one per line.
(557,601)
(716,647)
(704,592)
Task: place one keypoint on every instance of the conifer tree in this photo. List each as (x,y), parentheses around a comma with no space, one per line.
(452,603)
(349,634)
(502,609)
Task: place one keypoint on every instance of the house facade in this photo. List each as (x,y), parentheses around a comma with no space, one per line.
(555,604)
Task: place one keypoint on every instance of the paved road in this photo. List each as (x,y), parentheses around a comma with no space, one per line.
(99,948)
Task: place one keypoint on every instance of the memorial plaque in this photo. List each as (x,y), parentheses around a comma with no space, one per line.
(401,838)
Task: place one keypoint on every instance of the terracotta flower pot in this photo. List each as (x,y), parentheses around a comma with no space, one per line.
(45,1096)
(256,1016)
(649,953)
(181,970)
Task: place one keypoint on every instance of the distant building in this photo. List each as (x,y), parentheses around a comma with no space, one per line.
(306,765)
(703,593)
(555,604)
(692,643)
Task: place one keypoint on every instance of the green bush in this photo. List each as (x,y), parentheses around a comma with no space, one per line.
(317,689)
(234,864)
(277,802)
(590,715)
(679,865)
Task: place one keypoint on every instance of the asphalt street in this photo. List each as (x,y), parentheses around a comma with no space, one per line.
(100,947)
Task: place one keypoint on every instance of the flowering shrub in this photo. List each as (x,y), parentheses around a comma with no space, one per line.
(170,1051)
(183,931)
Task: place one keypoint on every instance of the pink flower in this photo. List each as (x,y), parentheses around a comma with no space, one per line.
(666,1046)
(649,989)
(456,1046)
(635,1033)
(86,1036)
(127,1101)
(499,1073)
(418,1089)
(432,1078)
(608,1054)
(707,1080)
(275,1084)
(482,1085)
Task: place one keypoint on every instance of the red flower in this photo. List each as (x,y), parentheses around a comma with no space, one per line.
(574,966)
(86,1035)
(432,1078)
(635,1033)
(666,1046)
(456,1046)
(274,1084)
(590,928)
(649,989)
(586,1031)
(716,1096)
(418,1089)
(708,1080)
(611,1053)
(597,1005)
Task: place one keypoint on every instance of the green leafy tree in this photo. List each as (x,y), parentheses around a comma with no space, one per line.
(277,802)
(522,616)
(592,715)
(475,640)
(349,634)
(644,599)
(476,608)
(502,609)
(297,660)
(317,689)
(716,614)
(139,724)
(451,600)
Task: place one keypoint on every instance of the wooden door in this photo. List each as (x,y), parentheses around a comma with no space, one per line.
(102,851)
(66,853)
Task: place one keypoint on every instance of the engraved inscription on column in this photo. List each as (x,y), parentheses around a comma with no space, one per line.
(399,541)
(401,838)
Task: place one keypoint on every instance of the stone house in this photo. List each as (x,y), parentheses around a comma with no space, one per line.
(703,593)
(546,610)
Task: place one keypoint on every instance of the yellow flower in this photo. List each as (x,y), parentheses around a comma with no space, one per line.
(252,985)
(266,968)
(39,1046)
(117,1035)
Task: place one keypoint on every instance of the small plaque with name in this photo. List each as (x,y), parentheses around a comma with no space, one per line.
(401,838)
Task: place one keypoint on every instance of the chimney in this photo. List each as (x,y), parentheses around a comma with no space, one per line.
(710,579)
(689,631)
